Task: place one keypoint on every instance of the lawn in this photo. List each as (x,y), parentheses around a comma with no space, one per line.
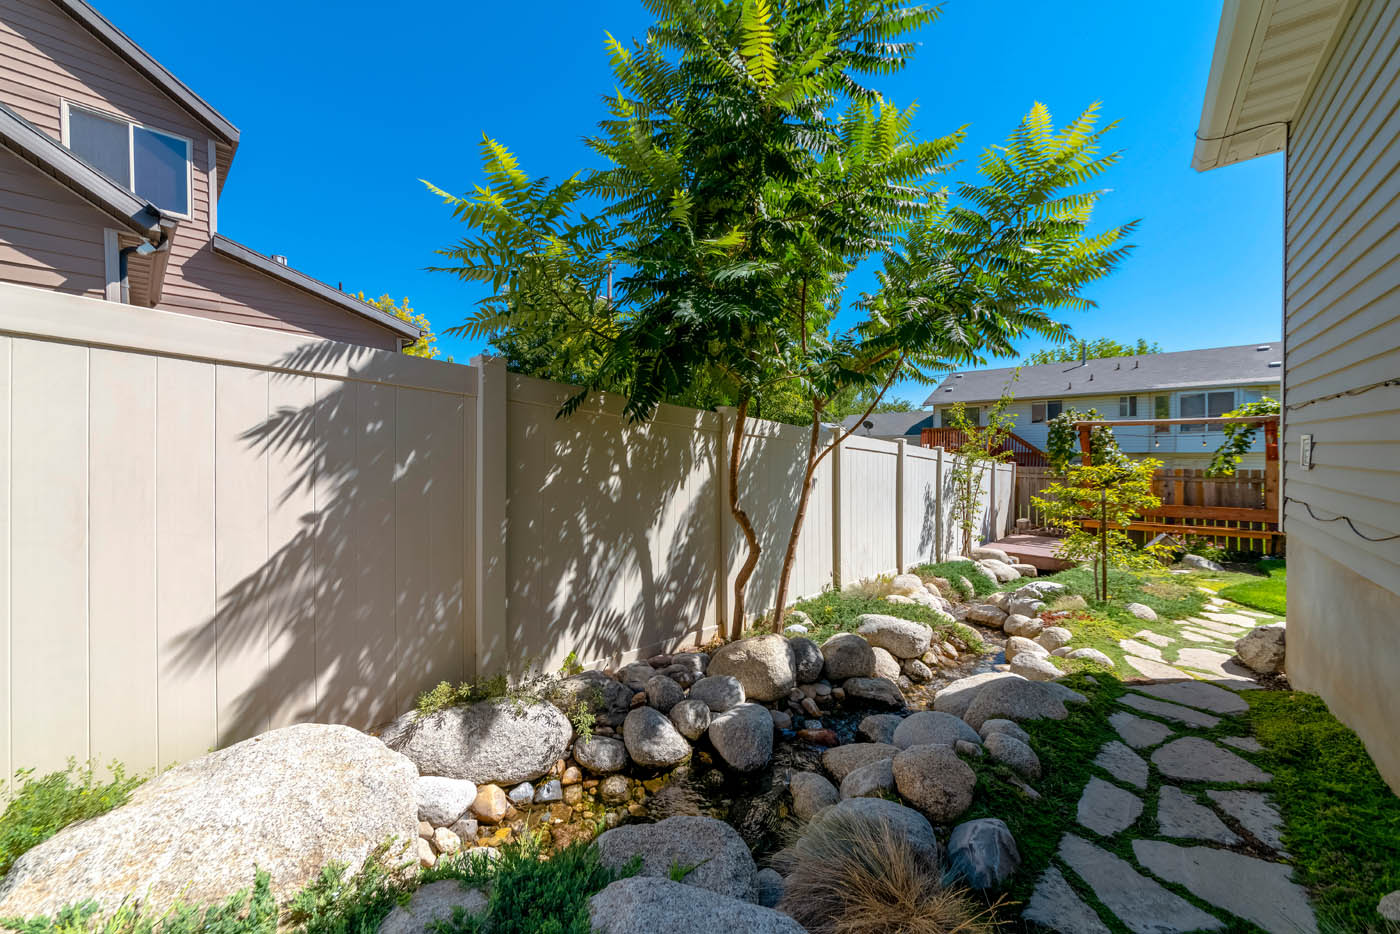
(1267,593)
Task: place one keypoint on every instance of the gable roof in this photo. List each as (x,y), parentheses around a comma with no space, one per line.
(1213,366)
(158,74)
(892,424)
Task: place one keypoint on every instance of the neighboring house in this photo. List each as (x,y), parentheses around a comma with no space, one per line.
(110,173)
(1182,384)
(891,426)
(1320,81)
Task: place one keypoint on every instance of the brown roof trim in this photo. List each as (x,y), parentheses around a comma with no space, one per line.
(264,264)
(142,61)
(56,160)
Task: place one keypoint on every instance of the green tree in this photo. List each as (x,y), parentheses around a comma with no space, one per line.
(1093,350)
(426,345)
(1095,505)
(978,453)
(1239,437)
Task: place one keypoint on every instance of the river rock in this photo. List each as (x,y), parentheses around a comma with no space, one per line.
(876,690)
(1054,638)
(743,737)
(983,853)
(1142,612)
(435,901)
(1199,563)
(635,676)
(840,761)
(659,906)
(720,857)
(607,699)
(720,692)
(880,727)
(934,781)
(1003,571)
(1093,655)
(764,665)
(692,718)
(1017,644)
(442,800)
(1034,667)
(600,754)
(1023,626)
(287,802)
(916,671)
(906,822)
(492,803)
(988,614)
(810,794)
(663,693)
(1026,606)
(902,638)
(652,741)
(848,655)
(1262,649)
(872,780)
(959,695)
(807,659)
(886,665)
(930,728)
(1005,748)
(1008,727)
(770,888)
(1014,698)
(500,741)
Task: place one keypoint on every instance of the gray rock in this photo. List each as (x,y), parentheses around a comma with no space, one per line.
(521,794)
(934,781)
(1389,907)
(635,676)
(720,857)
(1025,570)
(988,614)
(1142,612)
(1003,572)
(1137,732)
(1262,649)
(1034,667)
(659,906)
(498,741)
(695,661)
(1199,760)
(1014,698)
(810,794)
(807,660)
(1196,694)
(442,800)
(652,741)
(1023,626)
(782,720)
(1168,711)
(1254,812)
(848,655)
(983,853)
(908,823)
(985,552)
(916,671)
(931,727)
(1256,890)
(663,693)
(607,699)
(1107,809)
(1008,727)
(435,901)
(902,638)
(1065,694)
(1179,815)
(764,665)
(841,761)
(875,690)
(958,696)
(770,888)
(600,754)
(720,692)
(1017,645)
(287,802)
(743,737)
(1142,905)
(1199,563)
(691,718)
(549,792)
(873,779)
(880,727)
(1054,905)
(886,665)
(466,829)
(1007,749)
(1122,763)
(1026,606)
(1093,655)
(1054,638)
(968,749)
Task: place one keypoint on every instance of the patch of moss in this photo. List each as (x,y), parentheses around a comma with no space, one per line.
(951,571)
(838,611)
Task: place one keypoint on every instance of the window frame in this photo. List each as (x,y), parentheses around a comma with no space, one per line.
(68,106)
(1130,403)
(1205,395)
(1045,414)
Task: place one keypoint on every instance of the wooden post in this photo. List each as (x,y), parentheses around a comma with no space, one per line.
(1085,435)
(1271,466)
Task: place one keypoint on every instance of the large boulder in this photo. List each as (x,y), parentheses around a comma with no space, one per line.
(1018,644)
(652,740)
(935,781)
(983,853)
(848,655)
(902,638)
(933,728)
(1034,667)
(600,754)
(908,823)
(764,665)
(988,614)
(1003,571)
(719,692)
(1014,752)
(1199,563)
(500,741)
(721,859)
(1024,626)
(840,761)
(876,690)
(286,802)
(659,906)
(959,695)
(1262,649)
(907,585)
(880,727)
(608,699)
(807,658)
(1142,611)
(743,737)
(985,553)
(1015,698)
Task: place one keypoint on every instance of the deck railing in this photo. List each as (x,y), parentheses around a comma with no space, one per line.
(1022,451)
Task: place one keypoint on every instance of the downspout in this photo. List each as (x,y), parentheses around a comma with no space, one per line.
(144,248)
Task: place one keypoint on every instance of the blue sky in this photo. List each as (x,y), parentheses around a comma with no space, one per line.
(343,108)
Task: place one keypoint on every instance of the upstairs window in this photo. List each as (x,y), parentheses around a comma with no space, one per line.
(973,414)
(1162,408)
(1206,405)
(152,164)
(1044,411)
(1127,406)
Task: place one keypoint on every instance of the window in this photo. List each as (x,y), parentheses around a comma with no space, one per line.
(153,164)
(1206,405)
(1162,408)
(1044,411)
(1127,406)
(973,414)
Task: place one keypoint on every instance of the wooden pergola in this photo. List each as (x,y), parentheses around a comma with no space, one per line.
(1228,521)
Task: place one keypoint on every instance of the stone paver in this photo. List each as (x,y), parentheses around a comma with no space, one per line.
(1155,638)
(1180,815)
(1054,905)
(1255,613)
(1153,669)
(1133,647)
(1257,891)
(1231,619)
(1247,743)
(1203,659)
(1122,763)
(1255,814)
(1195,694)
(1199,760)
(1169,711)
(1208,625)
(1107,809)
(1195,635)
(1136,731)
(1141,904)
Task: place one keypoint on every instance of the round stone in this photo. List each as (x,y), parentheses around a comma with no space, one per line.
(807,658)
(719,692)
(886,665)
(691,718)
(600,754)
(652,740)
(663,693)
(743,737)
(902,638)
(848,655)
(930,728)
(764,665)
(1005,748)
(810,794)
(934,781)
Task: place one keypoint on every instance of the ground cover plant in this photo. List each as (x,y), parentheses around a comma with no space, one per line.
(41,807)
(839,611)
(1268,593)
(953,572)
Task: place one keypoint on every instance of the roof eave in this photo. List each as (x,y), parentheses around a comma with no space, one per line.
(265,264)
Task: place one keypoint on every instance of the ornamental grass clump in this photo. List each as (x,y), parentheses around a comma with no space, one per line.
(854,875)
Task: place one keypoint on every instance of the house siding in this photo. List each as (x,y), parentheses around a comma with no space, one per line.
(1342,336)
(49,237)
(46,57)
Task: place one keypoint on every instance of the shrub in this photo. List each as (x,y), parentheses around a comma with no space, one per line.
(852,875)
(42,807)
(247,912)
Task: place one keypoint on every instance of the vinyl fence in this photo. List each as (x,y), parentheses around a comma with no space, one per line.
(213,530)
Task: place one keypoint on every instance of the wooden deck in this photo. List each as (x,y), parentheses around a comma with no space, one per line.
(1036,550)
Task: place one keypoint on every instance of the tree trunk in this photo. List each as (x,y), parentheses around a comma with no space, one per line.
(741,580)
(790,556)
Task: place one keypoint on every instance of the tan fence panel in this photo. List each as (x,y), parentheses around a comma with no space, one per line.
(869,474)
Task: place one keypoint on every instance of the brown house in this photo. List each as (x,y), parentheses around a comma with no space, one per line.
(110,173)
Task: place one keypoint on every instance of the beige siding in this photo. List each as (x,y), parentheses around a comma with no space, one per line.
(1342,334)
(49,238)
(46,58)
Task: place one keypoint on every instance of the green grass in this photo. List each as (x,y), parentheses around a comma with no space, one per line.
(838,611)
(951,571)
(1267,593)
(43,806)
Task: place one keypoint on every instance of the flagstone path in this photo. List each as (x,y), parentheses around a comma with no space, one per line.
(1205,649)
(1177,832)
